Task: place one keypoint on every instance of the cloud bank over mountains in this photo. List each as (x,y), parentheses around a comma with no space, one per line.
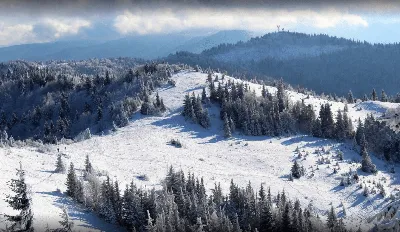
(23,21)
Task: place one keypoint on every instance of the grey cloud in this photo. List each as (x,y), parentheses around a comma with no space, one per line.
(94,7)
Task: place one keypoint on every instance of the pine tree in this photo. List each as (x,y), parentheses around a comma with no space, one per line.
(162,106)
(264,92)
(374,95)
(384,97)
(359,132)
(316,128)
(158,101)
(60,167)
(296,170)
(107,80)
(286,222)
(350,98)
(340,130)
(88,165)
(366,163)
(331,219)
(71,181)
(281,97)
(22,202)
(266,218)
(66,223)
(227,129)
(99,113)
(236,225)
(150,227)
(204,95)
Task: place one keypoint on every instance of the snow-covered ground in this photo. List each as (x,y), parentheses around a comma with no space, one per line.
(142,148)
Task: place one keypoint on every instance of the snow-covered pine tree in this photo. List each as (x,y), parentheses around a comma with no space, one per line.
(281,96)
(296,170)
(150,227)
(374,96)
(60,167)
(71,181)
(266,218)
(331,220)
(340,130)
(22,202)
(227,129)
(204,95)
(384,97)
(158,101)
(162,106)
(366,163)
(350,98)
(66,224)
(88,165)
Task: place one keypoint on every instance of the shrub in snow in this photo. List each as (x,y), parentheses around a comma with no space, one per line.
(340,155)
(172,82)
(83,135)
(176,143)
(143,177)
(366,191)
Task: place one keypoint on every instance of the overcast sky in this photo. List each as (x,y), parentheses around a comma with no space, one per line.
(24,21)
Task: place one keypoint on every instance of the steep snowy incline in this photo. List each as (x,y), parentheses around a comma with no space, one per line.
(141,148)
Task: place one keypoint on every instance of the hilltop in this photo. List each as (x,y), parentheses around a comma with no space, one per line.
(141,149)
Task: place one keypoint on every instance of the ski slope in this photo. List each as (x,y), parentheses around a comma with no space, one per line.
(142,148)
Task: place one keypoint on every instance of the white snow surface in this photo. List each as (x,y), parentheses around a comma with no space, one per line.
(142,148)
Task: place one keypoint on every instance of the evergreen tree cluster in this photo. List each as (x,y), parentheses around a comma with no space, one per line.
(52,100)
(274,115)
(194,110)
(375,135)
(184,205)
(152,108)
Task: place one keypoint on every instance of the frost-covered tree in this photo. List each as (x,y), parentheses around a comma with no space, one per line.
(281,96)
(20,201)
(350,98)
(227,128)
(331,219)
(72,182)
(374,96)
(88,165)
(66,224)
(296,170)
(366,163)
(384,97)
(60,166)
(340,126)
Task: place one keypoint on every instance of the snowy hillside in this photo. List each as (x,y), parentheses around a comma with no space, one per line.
(142,148)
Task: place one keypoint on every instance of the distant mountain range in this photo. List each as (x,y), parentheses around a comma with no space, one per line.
(145,47)
(319,62)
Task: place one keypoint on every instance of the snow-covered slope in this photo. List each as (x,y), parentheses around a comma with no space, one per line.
(141,148)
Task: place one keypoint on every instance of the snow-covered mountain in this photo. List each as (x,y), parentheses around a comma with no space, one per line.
(142,148)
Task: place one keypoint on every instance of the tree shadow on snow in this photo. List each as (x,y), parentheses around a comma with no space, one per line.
(177,121)
(48,171)
(194,89)
(307,141)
